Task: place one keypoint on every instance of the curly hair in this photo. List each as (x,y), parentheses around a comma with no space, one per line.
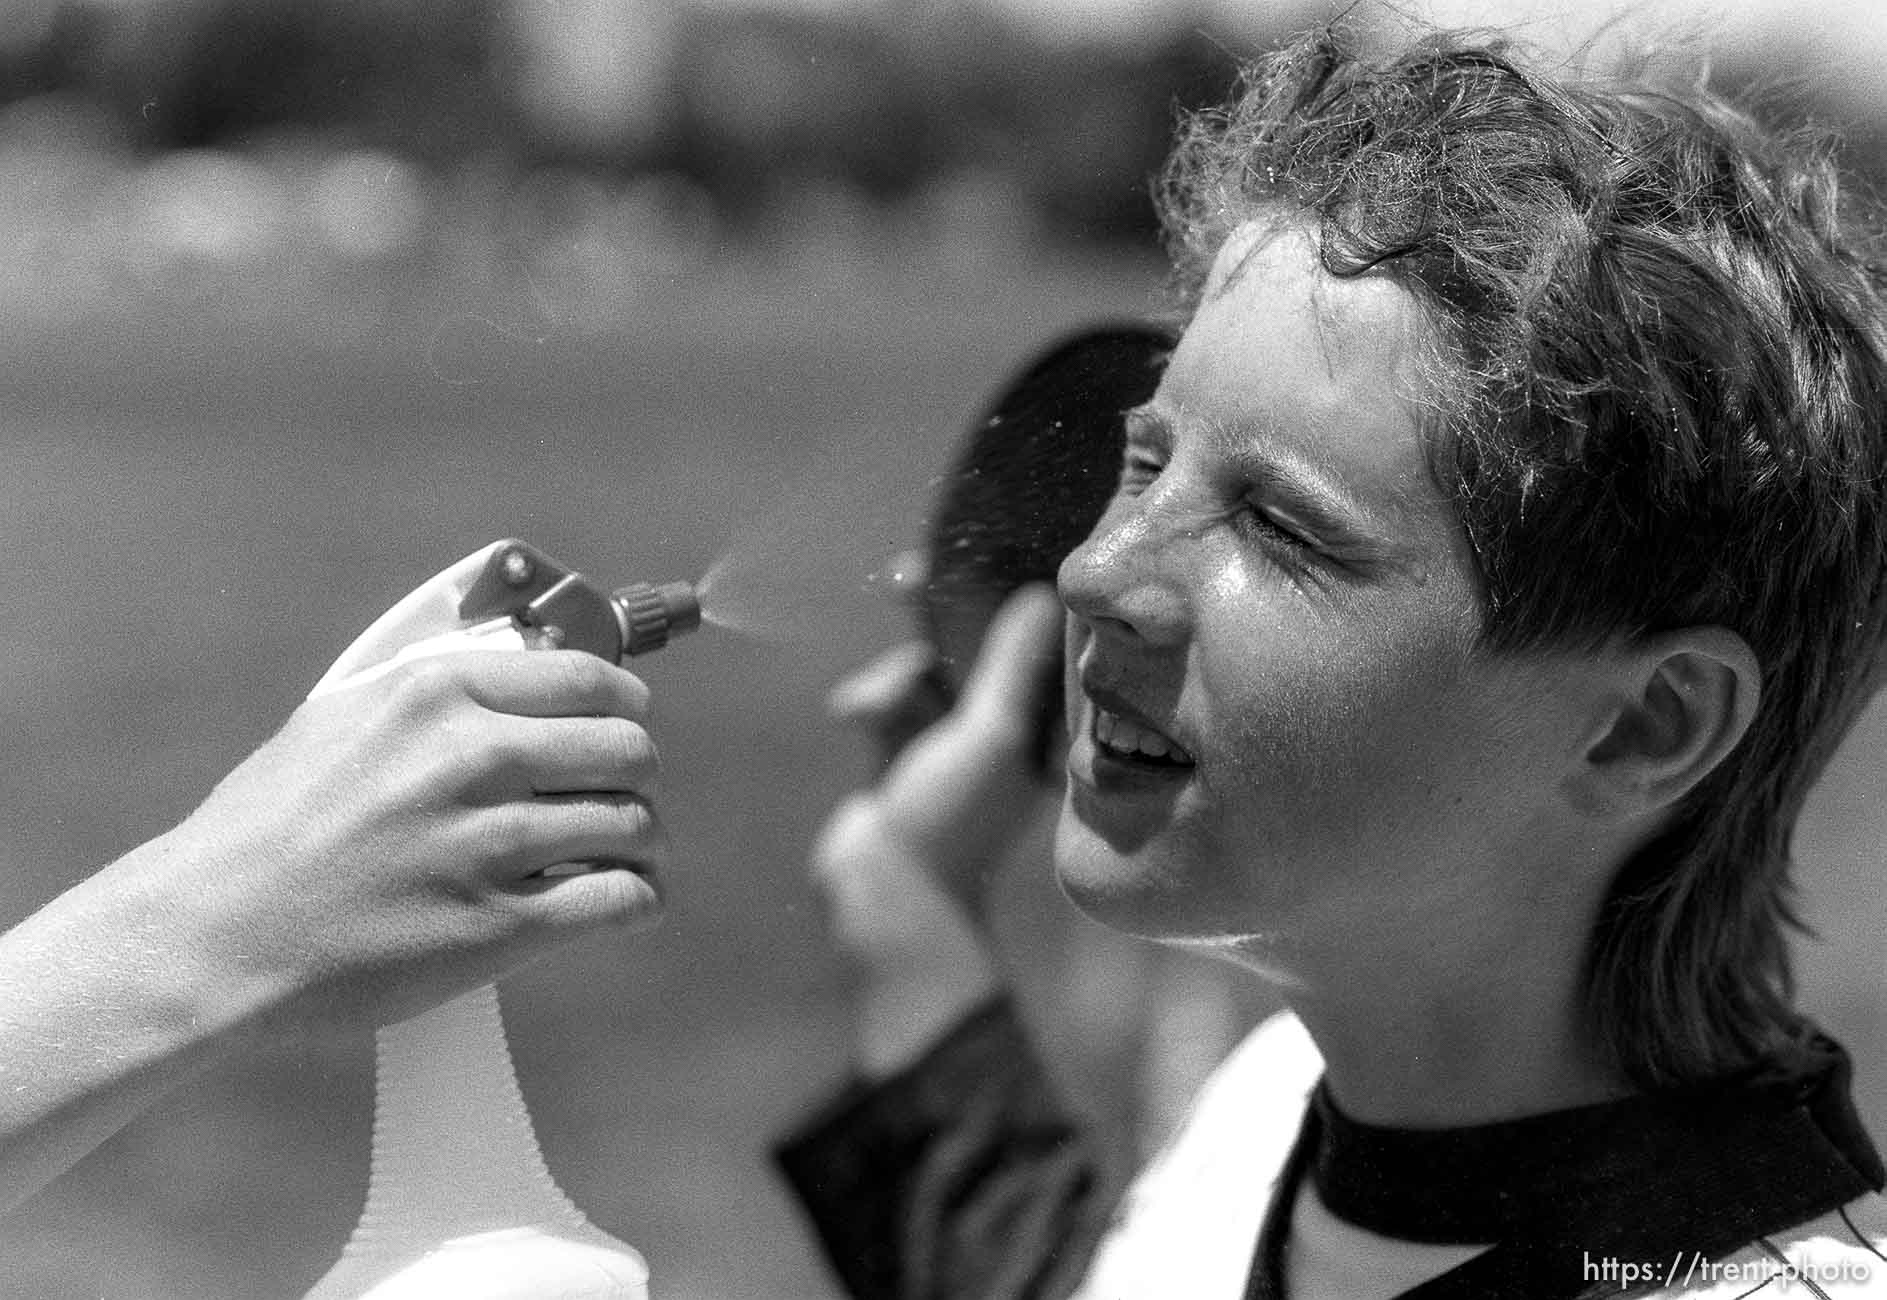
(1657,401)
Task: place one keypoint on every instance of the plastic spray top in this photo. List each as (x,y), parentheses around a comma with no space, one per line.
(555,607)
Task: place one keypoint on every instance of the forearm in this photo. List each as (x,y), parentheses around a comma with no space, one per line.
(384,851)
(108,999)
(910,1001)
(924,954)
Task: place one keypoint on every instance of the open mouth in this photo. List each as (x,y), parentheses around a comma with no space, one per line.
(589,868)
(1129,741)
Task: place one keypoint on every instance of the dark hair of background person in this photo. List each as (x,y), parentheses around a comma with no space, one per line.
(1033,477)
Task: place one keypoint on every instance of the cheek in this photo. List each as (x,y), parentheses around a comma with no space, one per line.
(1319,736)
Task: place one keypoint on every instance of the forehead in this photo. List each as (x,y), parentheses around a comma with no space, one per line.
(1286,361)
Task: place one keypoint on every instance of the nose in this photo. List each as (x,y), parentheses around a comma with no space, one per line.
(1127,578)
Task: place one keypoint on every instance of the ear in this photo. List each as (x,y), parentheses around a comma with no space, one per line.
(1684,700)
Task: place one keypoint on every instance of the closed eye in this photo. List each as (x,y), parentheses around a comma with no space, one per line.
(1261,522)
(1138,470)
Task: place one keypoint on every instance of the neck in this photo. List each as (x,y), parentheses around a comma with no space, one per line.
(1440,1065)
(1462,1029)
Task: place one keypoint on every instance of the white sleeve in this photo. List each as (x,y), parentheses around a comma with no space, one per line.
(1189,1222)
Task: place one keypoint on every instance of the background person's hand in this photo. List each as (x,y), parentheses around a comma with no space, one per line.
(906,864)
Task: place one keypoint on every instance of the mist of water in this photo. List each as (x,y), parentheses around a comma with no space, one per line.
(787,575)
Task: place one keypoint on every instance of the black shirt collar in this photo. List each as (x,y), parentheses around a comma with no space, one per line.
(1491,1182)
(1706,1169)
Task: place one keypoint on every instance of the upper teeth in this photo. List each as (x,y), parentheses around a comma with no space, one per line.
(1117,732)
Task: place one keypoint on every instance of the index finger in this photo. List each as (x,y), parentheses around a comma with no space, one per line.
(553,684)
(1012,672)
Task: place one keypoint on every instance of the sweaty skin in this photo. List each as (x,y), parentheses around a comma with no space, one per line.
(1289,746)
(1356,800)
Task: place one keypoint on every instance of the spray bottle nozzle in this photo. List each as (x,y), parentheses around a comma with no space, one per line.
(649,614)
(559,607)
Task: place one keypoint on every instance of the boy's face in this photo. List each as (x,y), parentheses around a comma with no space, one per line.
(1279,605)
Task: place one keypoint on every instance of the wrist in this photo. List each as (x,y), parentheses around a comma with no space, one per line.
(905,1005)
(921,947)
(155,926)
(899,1022)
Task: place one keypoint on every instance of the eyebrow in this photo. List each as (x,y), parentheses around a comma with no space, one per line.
(1331,513)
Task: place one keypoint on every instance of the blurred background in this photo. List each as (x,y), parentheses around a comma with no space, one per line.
(303,299)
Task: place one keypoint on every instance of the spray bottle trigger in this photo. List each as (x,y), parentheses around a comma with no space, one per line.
(554,606)
(515,574)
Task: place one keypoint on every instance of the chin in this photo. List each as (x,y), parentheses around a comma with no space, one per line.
(1128,892)
(1176,889)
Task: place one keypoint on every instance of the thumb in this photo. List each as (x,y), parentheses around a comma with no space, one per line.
(884,687)
(1015,672)
(427,611)
(957,795)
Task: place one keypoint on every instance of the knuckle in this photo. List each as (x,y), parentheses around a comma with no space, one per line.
(635,820)
(603,688)
(552,679)
(575,673)
(459,750)
(581,683)
(609,826)
(633,692)
(630,825)
(634,753)
(634,900)
(508,834)
(503,752)
(433,674)
(421,687)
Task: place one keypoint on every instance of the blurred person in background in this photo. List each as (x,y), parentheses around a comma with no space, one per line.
(382,853)
(1501,557)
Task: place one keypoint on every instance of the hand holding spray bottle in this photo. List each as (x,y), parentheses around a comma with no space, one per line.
(460,1205)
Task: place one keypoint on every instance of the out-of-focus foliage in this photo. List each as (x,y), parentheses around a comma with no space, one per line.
(318,137)
(750,105)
